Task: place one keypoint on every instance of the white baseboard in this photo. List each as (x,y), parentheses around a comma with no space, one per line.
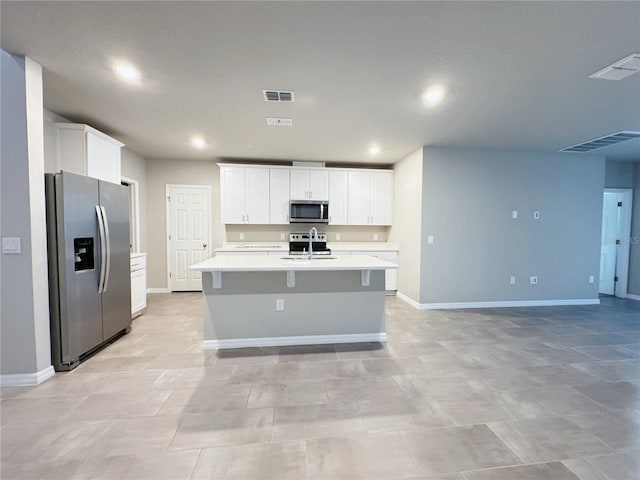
(408,300)
(157,290)
(26,379)
(503,304)
(302,340)
(633,296)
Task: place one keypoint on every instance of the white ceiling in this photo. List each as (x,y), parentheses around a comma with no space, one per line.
(516,74)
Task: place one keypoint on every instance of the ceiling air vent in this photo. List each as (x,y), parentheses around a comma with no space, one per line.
(601,142)
(620,69)
(279,122)
(278,96)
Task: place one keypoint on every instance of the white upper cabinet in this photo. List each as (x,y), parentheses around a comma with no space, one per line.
(279,196)
(244,195)
(309,184)
(260,194)
(370,198)
(338,181)
(81,149)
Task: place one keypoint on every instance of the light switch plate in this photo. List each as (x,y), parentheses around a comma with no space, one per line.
(514,214)
(242,236)
(430,239)
(536,215)
(11,245)
(533,280)
(512,280)
(375,237)
(282,236)
(592,279)
(337,236)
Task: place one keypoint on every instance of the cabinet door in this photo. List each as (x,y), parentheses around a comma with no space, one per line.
(299,184)
(318,185)
(257,195)
(338,198)
(103,159)
(381,198)
(279,196)
(358,198)
(138,291)
(232,195)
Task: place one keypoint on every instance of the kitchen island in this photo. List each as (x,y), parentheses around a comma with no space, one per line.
(260,300)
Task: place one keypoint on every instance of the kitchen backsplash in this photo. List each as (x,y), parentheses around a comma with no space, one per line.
(272,233)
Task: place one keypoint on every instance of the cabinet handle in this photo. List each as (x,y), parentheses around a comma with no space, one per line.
(247,218)
(310,194)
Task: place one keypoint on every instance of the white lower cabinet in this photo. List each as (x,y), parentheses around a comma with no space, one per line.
(138,285)
(391,275)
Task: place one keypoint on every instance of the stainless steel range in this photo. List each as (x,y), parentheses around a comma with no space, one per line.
(299,244)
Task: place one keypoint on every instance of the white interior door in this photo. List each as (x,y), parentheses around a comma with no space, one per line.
(188,234)
(608,246)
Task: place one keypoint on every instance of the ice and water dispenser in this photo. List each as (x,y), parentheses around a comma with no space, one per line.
(83,253)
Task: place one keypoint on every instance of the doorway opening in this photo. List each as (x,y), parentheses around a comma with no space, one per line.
(616,239)
(134,212)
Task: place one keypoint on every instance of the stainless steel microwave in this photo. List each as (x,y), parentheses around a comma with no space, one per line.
(308,211)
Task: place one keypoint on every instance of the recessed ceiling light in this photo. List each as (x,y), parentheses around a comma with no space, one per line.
(374,150)
(198,142)
(433,96)
(127,72)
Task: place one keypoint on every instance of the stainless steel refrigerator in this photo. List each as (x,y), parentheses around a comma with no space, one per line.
(89,266)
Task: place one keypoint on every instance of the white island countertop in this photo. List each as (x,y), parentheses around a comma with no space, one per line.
(273,263)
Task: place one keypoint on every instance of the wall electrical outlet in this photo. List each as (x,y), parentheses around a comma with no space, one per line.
(533,280)
(514,214)
(592,279)
(242,236)
(279,304)
(512,280)
(282,236)
(337,236)
(375,237)
(11,245)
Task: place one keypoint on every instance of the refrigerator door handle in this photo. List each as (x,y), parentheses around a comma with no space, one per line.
(103,249)
(107,236)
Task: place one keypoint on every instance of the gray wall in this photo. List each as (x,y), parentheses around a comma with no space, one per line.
(618,174)
(135,167)
(407,222)
(633,286)
(161,173)
(24,314)
(468,197)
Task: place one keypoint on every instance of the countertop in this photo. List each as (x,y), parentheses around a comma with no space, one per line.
(255,263)
(284,247)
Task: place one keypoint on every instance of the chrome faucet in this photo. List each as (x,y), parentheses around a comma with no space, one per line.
(312,231)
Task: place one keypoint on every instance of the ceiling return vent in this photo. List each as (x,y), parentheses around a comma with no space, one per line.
(605,141)
(279,122)
(278,95)
(620,69)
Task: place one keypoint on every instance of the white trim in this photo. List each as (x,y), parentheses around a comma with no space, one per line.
(26,379)
(167,209)
(157,290)
(302,340)
(624,233)
(633,297)
(135,184)
(408,300)
(506,304)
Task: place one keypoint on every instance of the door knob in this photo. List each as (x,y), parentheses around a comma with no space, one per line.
(204,245)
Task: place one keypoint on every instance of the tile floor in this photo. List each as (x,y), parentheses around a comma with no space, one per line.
(549,393)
